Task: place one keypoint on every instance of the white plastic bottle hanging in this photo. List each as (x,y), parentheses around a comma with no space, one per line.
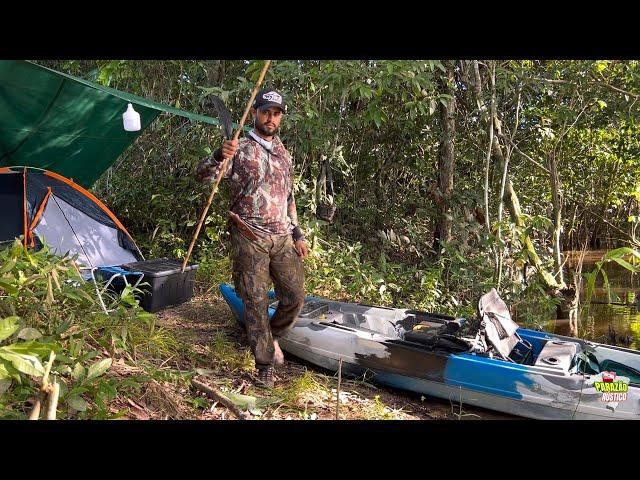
(131,119)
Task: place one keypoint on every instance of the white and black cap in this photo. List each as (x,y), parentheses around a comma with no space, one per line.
(268,97)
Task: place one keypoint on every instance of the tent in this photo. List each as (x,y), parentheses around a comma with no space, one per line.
(66,124)
(43,206)
(71,127)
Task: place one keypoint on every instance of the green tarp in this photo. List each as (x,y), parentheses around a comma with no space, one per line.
(66,124)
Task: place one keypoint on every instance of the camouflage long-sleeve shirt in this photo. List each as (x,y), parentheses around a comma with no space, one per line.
(261,185)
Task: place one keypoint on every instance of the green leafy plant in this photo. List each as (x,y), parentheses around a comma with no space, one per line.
(616,256)
(48,307)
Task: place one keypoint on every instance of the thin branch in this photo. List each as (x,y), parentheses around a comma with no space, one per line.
(633,95)
(548,80)
(45,388)
(537,164)
(572,125)
(517,124)
(487,162)
(53,400)
(214,393)
(47,370)
(338,389)
(500,253)
(35,413)
(592,82)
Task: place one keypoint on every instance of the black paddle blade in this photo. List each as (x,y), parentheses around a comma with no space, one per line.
(224,115)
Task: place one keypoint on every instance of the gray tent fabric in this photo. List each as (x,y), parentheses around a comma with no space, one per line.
(41,207)
(497,326)
(67,229)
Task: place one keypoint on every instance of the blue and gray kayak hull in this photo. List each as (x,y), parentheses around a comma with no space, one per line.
(547,386)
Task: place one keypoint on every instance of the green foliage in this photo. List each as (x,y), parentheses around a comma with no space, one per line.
(46,306)
(379,124)
(378,121)
(379,411)
(306,384)
(616,256)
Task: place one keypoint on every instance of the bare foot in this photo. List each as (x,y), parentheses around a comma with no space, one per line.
(278,356)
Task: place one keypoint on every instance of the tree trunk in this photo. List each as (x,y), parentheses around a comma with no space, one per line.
(446,157)
(215,72)
(557,216)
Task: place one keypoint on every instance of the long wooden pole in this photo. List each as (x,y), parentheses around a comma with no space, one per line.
(224,164)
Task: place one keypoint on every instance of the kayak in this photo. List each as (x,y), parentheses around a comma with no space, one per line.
(487,361)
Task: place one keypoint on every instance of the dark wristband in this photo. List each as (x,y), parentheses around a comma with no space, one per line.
(297,234)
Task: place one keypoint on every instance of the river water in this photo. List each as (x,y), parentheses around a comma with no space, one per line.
(615,323)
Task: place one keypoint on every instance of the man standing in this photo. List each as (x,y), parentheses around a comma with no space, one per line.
(266,240)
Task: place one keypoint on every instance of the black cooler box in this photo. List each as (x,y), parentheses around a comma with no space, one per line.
(167,284)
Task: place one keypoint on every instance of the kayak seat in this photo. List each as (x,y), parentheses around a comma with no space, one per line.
(499,331)
(441,336)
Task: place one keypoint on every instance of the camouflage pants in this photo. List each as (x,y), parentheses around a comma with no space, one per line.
(255,263)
